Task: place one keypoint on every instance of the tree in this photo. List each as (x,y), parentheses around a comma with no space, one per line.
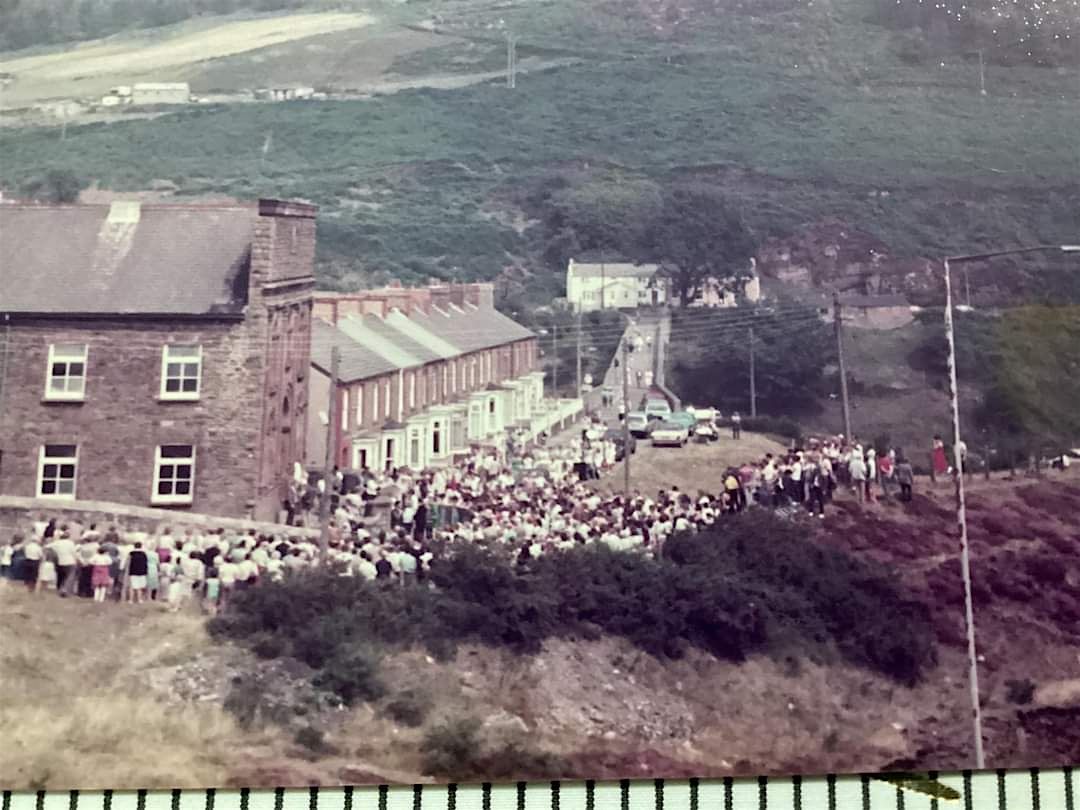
(55,186)
(711,358)
(696,235)
(1037,386)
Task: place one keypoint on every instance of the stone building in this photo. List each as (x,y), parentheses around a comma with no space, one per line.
(155,355)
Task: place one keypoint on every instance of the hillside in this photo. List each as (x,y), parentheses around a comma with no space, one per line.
(796,112)
(109,665)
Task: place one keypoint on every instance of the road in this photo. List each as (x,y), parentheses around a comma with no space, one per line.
(644,365)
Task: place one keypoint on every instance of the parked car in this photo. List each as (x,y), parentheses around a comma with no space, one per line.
(670,434)
(657,407)
(684,418)
(615,435)
(639,424)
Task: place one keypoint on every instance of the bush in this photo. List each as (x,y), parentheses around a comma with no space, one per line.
(352,674)
(314,740)
(454,750)
(450,749)
(754,583)
(409,708)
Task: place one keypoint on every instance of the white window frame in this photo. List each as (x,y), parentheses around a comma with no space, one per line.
(159,460)
(360,405)
(386,399)
(412,390)
(344,408)
(59,461)
(57,354)
(166,360)
(453,376)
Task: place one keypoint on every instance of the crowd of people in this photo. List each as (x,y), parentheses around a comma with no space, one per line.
(539,500)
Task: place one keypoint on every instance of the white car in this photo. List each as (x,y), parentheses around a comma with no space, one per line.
(670,434)
(657,408)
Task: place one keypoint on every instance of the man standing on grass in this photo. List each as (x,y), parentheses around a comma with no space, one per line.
(64,549)
(857,471)
(137,569)
(736,425)
(905,476)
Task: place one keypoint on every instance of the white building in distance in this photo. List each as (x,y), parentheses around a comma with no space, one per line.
(621,285)
(613,285)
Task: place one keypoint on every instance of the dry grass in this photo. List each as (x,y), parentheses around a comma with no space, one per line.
(690,468)
(76,711)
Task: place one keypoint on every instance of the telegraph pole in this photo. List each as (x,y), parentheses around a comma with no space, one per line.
(511,60)
(579,353)
(626,417)
(555,360)
(753,380)
(843,368)
(982,75)
(603,280)
(333,414)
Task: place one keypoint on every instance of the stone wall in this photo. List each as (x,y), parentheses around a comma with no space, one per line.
(18,513)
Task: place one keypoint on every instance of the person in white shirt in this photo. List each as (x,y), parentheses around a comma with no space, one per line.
(227,573)
(63,547)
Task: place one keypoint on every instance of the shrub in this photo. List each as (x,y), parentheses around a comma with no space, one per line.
(450,749)
(409,708)
(351,673)
(314,740)
(754,583)
(1020,692)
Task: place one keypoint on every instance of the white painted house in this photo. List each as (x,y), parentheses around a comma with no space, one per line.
(613,285)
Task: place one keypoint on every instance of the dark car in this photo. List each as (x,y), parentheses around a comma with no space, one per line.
(616,435)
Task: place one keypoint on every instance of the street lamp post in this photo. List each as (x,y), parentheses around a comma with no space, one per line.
(961,504)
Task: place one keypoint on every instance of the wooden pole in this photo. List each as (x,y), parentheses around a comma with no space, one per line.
(626,417)
(837,320)
(331,458)
(753,380)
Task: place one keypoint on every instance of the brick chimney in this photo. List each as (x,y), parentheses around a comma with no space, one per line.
(283,246)
(480,295)
(439,296)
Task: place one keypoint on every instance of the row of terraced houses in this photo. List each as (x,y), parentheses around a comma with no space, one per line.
(178,356)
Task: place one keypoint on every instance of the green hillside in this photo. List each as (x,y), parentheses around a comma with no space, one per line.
(798,113)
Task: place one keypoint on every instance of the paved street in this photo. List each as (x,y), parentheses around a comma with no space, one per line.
(642,363)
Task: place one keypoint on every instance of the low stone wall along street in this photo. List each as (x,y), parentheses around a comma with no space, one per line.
(17,512)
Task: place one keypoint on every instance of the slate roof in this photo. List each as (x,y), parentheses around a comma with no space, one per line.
(471,328)
(356,362)
(156,259)
(613,270)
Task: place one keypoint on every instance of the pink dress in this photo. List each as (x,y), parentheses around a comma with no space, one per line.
(941,464)
(99,577)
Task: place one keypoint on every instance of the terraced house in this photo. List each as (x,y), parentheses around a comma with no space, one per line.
(155,355)
(424,374)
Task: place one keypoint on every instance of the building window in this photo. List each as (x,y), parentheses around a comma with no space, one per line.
(412,390)
(472,373)
(453,378)
(386,399)
(436,438)
(174,474)
(344,408)
(56,471)
(359,405)
(66,377)
(181,370)
(491,413)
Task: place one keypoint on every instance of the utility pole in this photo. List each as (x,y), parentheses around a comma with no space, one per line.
(753,379)
(843,368)
(967,287)
(961,519)
(579,353)
(982,75)
(333,414)
(603,280)
(555,360)
(511,60)
(626,416)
